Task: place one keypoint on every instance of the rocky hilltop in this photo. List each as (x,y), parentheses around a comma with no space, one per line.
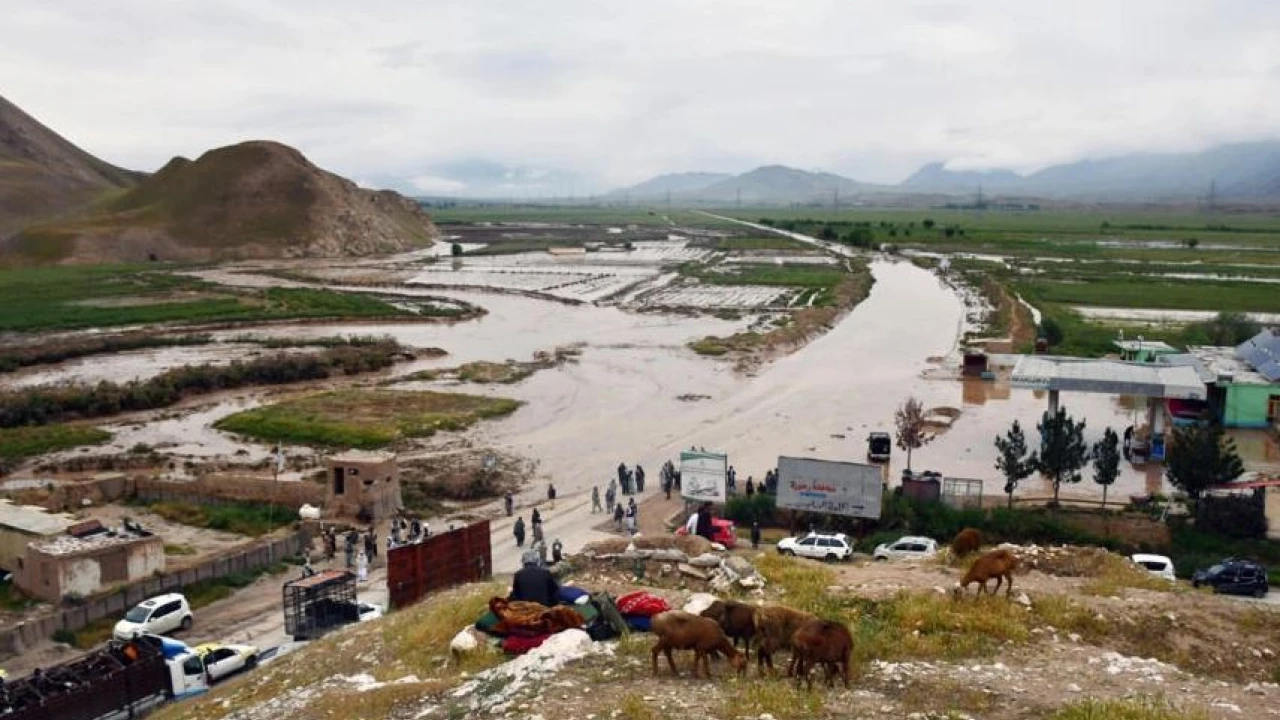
(256,199)
(43,175)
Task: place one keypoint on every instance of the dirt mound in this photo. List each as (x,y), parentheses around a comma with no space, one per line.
(252,200)
(1065,560)
(691,545)
(45,174)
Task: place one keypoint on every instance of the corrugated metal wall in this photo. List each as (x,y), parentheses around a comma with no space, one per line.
(441,561)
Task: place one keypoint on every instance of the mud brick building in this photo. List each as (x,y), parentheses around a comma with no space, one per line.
(88,558)
(365,485)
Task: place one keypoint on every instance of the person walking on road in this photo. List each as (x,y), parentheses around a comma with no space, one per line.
(610,497)
(751,486)
(551,495)
(536,517)
(510,504)
(755,535)
(557,551)
(639,478)
(537,534)
(595,499)
(617,515)
(518,531)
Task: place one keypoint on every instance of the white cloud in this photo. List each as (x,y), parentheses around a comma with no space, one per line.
(622,90)
(430,184)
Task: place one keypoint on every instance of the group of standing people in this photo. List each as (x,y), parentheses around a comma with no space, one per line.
(539,544)
(632,481)
(358,548)
(407,532)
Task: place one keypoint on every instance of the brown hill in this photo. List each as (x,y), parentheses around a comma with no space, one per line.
(43,175)
(252,200)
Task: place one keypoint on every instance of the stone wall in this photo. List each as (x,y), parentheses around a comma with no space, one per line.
(227,487)
(17,639)
(1133,529)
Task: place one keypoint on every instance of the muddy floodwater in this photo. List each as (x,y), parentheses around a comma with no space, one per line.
(638,394)
(620,404)
(133,365)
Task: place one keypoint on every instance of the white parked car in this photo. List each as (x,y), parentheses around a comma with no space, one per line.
(909,547)
(1157,565)
(369,611)
(158,615)
(223,660)
(820,547)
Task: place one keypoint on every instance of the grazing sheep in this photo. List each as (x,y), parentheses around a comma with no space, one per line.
(679,630)
(775,625)
(737,619)
(998,564)
(822,642)
(966,541)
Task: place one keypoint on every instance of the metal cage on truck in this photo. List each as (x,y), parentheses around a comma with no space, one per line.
(318,603)
(118,681)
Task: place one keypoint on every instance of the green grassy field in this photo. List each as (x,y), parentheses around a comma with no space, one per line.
(81,296)
(1168,294)
(364,418)
(767,242)
(807,276)
(18,443)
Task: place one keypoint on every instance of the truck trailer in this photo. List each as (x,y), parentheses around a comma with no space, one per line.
(119,681)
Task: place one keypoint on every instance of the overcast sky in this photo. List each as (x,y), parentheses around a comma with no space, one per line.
(601,93)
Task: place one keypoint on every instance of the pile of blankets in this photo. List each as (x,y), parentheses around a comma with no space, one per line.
(522,626)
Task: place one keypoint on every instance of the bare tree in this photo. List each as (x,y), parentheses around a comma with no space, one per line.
(909,419)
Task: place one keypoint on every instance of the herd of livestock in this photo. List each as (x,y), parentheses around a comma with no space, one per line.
(813,641)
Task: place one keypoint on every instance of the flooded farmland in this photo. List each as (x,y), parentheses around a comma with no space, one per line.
(637,393)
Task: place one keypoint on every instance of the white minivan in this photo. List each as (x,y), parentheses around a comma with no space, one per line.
(157,616)
(1157,565)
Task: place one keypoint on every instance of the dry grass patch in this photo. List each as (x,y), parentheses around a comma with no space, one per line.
(928,694)
(633,707)
(1113,573)
(364,418)
(420,640)
(781,699)
(934,627)
(803,584)
(411,642)
(1134,709)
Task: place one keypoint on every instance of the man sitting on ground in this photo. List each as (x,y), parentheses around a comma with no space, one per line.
(533,582)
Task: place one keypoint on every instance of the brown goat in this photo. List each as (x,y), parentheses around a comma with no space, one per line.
(966,541)
(998,564)
(775,625)
(679,630)
(822,642)
(737,619)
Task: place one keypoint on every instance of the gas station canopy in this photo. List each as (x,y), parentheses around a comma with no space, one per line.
(1045,372)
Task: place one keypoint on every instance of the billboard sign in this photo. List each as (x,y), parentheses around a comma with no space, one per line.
(702,475)
(826,486)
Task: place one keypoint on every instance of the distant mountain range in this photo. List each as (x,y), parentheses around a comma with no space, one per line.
(58,203)
(1243,172)
(1246,172)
